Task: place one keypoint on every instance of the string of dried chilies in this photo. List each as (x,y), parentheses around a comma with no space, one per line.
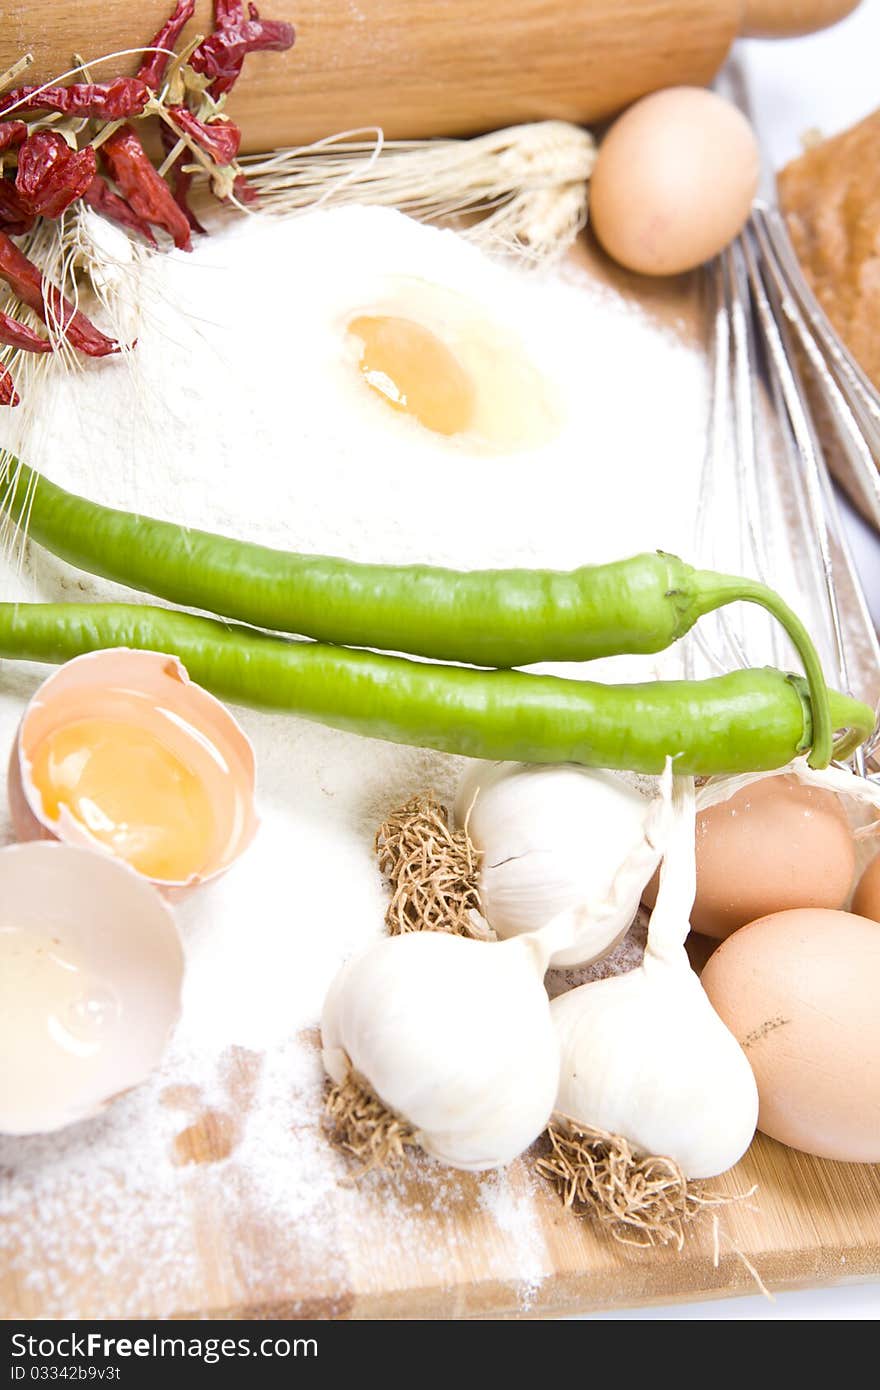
(95,154)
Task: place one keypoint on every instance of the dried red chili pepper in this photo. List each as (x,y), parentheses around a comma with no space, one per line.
(8,393)
(180,181)
(51,175)
(11,133)
(25,279)
(100,196)
(14,216)
(245,191)
(18,335)
(219,138)
(152,69)
(221,55)
(180,192)
(146,193)
(108,101)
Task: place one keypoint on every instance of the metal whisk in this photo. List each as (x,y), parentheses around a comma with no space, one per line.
(765,473)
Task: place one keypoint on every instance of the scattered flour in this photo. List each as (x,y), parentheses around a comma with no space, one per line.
(515,1214)
(239,412)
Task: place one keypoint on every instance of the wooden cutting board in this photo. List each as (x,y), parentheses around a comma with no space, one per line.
(429,1243)
(809,1222)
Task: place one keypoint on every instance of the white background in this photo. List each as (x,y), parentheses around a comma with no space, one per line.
(825,81)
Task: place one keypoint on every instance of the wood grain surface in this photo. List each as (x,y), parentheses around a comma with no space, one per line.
(414,67)
(779,19)
(809,1222)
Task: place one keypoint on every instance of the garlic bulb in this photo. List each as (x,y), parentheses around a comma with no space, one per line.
(554,838)
(453,1036)
(644,1055)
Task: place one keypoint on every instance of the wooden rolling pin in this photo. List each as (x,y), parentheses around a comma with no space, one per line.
(417,67)
(782,19)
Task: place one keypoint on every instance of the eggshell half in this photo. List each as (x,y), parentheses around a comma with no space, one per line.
(168,701)
(800,991)
(117,960)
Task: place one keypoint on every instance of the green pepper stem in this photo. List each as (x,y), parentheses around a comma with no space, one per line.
(853,738)
(715,590)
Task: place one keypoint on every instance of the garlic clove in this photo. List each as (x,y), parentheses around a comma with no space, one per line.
(644,1057)
(452,1035)
(553,838)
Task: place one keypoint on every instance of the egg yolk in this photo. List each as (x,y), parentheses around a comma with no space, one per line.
(415,372)
(131,792)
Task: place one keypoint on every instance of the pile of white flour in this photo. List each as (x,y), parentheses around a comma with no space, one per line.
(238,412)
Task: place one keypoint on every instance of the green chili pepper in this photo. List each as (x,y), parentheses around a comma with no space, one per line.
(505,618)
(748,721)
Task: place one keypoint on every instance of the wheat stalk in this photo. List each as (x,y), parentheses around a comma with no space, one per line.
(527,184)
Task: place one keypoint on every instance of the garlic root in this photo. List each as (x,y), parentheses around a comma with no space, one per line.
(432,871)
(644,1201)
(360,1125)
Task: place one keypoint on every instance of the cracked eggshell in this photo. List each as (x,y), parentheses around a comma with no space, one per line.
(799,991)
(163,700)
(91,974)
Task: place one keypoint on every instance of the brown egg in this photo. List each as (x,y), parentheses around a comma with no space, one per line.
(799,991)
(866,898)
(776,844)
(674,181)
